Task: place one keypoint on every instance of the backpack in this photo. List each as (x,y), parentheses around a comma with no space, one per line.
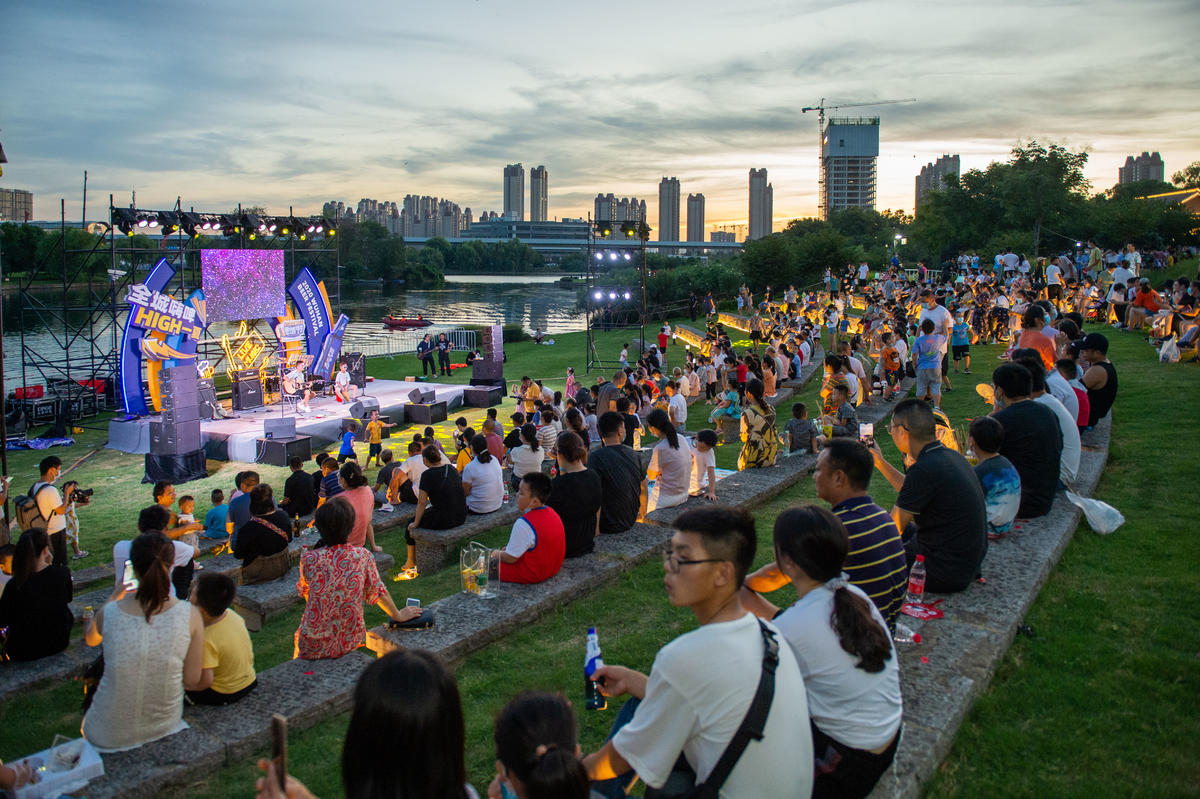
(27,512)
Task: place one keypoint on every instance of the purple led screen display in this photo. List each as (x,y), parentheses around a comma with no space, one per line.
(242,284)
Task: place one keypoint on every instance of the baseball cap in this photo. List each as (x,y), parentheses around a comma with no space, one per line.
(1095,341)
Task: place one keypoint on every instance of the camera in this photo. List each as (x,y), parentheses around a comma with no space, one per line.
(83,496)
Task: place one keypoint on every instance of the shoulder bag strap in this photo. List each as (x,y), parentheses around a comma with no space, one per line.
(755,721)
(271,526)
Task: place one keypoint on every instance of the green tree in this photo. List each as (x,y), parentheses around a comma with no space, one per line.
(770,260)
(1188,177)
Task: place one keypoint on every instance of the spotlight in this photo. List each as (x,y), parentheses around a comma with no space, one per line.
(125,220)
(612,256)
(599,256)
(143,221)
(270,226)
(629,229)
(228,225)
(627,256)
(168,220)
(612,295)
(253,235)
(192,223)
(251,222)
(599,295)
(603,228)
(626,295)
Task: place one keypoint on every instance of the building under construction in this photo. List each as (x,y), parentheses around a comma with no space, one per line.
(849,151)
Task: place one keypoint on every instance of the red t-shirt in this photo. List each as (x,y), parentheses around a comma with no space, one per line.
(1147,300)
(663,340)
(742,371)
(542,560)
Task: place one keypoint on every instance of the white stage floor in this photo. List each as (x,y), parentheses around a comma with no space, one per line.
(236,439)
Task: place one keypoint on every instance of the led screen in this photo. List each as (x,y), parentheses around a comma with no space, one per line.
(242,284)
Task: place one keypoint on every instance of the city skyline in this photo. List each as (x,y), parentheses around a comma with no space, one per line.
(606,107)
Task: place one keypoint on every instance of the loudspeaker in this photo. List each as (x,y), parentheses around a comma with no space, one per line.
(178,469)
(181,413)
(363,406)
(278,451)
(414,396)
(174,439)
(482,396)
(430,413)
(207,397)
(356,365)
(279,427)
(247,392)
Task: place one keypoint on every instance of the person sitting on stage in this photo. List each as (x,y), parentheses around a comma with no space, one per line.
(295,385)
(537,544)
(343,389)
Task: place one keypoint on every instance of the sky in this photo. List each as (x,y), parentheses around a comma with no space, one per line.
(291,105)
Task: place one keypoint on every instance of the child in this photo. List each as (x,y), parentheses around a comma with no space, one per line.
(465,455)
(460,424)
(537,544)
(960,342)
(844,419)
(1000,481)
(802,433)
(633,423)
(927,360)
(215,520)
(72,528)
(347,449)
(893,365)
(6,557)
(625,355)
(228,660)
(375,430)
(704,466)
(499,428)
(187,508)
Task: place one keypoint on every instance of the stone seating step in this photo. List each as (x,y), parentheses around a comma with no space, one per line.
(259,602)
(434,546)
(17,677)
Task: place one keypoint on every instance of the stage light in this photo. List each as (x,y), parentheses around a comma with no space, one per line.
(599,256)
(612,295)
(603,228)
(229,225)
(627,256)
(125,220)
(168,220)
(191,223)
(143,221)
(626,295)
(612,256)
(251,222)
(253,235)
(629,229)
(599,295)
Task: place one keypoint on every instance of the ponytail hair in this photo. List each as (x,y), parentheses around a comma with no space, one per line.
(814,539)
(480,448)
(529,435)
(659,420)
(30,546)
(535,740)
(152,555)
(352,474)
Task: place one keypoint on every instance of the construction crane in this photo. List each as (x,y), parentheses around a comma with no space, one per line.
(821,108)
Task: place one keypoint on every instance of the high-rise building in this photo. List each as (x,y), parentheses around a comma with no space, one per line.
(933,176)
(722,236)
(668,209)
(1147,166)
(849,150)
(625,209)
(16,205)
(695,219)
(514,192)
(539,186)
(762,204)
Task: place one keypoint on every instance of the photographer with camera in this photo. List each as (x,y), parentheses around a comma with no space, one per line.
(48,507)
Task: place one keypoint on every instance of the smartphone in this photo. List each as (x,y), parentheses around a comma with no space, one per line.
(413,603)
(129,579)
(866,433)
(279,749)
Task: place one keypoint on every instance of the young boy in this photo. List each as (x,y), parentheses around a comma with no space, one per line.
(537,544)
(375,430)
(217,516)
(927,360)
(298,497)
(330,487)
(460,424)
(633,424)
(187,509)
(6,556)
(704,466)
(228,663)
(803,435)
(844,418)
(999,478)
(893,365)
(960,342)
(499,428)
(625,356)
(347,449)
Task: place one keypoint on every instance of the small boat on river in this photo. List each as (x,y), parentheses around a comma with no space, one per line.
(402,323)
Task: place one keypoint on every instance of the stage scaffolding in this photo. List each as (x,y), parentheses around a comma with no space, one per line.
(77,295)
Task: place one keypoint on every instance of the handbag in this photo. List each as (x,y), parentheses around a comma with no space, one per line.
(753,726)
(265,568)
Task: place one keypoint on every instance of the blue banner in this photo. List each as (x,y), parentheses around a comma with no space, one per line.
(327,361)
(312,305)
(131,344)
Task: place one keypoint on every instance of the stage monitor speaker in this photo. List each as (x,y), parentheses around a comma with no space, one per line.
(482,396)
(279,427)
(356,365)
(363,406)
(207,397)
(174,439)
(278,451)
(414,396)
(454,403)
(431,413)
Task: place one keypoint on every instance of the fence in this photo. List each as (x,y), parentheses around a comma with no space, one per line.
(400,342)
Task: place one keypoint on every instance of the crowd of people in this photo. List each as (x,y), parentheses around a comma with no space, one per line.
(570,461)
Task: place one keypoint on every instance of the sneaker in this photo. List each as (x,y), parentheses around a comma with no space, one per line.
(83,553)
(967,372)
(387,507)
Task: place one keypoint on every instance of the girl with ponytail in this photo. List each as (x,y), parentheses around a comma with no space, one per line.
(537,755)
(845,654)
(670,464)
(140,697)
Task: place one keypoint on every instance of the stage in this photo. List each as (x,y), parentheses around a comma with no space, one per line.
(237,438)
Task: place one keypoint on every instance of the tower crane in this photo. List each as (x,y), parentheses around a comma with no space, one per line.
(821,108)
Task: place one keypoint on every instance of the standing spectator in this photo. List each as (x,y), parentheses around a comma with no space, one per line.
(1000,481)
(943,325)
(227,668)
(298,499)
(335,580)
(357,492)
(575,495)
(1100,379)
(53,506)
(536,545)
(670,464)
(483,480)
(677,406)
(1032,438)
(622,481)
(610,392)
(153,650)
(940,496)
(35,605)
(927,361)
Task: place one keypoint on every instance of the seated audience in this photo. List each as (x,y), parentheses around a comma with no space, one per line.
(722,661)
(537,750)
(153,519)
(6,556)
(35,605)
(441,503)
(760,438)
(262,542)
(406,701)
(298,497)
(670,464)
(317,476)
(239,504)
(1072,448)
(843,421)
(164,494)
(358,493)
(1000,481)
(383,478)
(527,456)
(802,434)
(940,496)
(153,650)
(1100,379)
(336,578)
(536,546)
(217,517)
(845,653)
(483,479)
(227,668)
(1032,336)
(622,481)
(1032,438)
(406,479)
(575,495)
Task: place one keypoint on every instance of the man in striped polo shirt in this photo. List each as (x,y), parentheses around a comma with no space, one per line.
(876,561)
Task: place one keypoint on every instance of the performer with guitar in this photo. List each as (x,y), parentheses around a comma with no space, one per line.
(294,383)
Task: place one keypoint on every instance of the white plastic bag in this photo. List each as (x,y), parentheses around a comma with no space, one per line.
(1102,517)
(1170,351)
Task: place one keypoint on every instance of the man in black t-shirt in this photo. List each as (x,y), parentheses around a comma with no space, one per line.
(298,496)
(622,478)
(939,496)
(1032,438)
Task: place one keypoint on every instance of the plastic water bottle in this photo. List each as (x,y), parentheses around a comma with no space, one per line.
(916,582)
(591,662)
(905,635)
(506,497)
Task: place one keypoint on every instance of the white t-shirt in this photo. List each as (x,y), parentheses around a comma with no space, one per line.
(674,467)
(943,323)
(1068,464)
(701,463)
(805,351)
(1053,275)
(850,705)
(48,498)
(679,411)
(1058,386)
(699,690)
(342,379)
(1122,275)
(521,539)
(863,269)
(414,466)
(526,460)
(1011,260)
(120,551)
(487,485)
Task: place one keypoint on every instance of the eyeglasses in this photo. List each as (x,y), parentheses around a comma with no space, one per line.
(674,564)
(893,425)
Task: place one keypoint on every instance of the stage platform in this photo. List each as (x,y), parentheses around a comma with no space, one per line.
(236,438)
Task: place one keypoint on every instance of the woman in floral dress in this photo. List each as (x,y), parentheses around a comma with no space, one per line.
(759,436)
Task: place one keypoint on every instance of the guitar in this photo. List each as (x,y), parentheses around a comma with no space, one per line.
(294,387)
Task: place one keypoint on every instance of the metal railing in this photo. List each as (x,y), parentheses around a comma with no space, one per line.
(402,342)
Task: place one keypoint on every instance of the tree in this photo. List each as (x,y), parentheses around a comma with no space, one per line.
(1188,177)
(770,260)
(1041,184)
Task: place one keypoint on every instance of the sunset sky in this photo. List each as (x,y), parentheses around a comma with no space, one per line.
(295,104)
